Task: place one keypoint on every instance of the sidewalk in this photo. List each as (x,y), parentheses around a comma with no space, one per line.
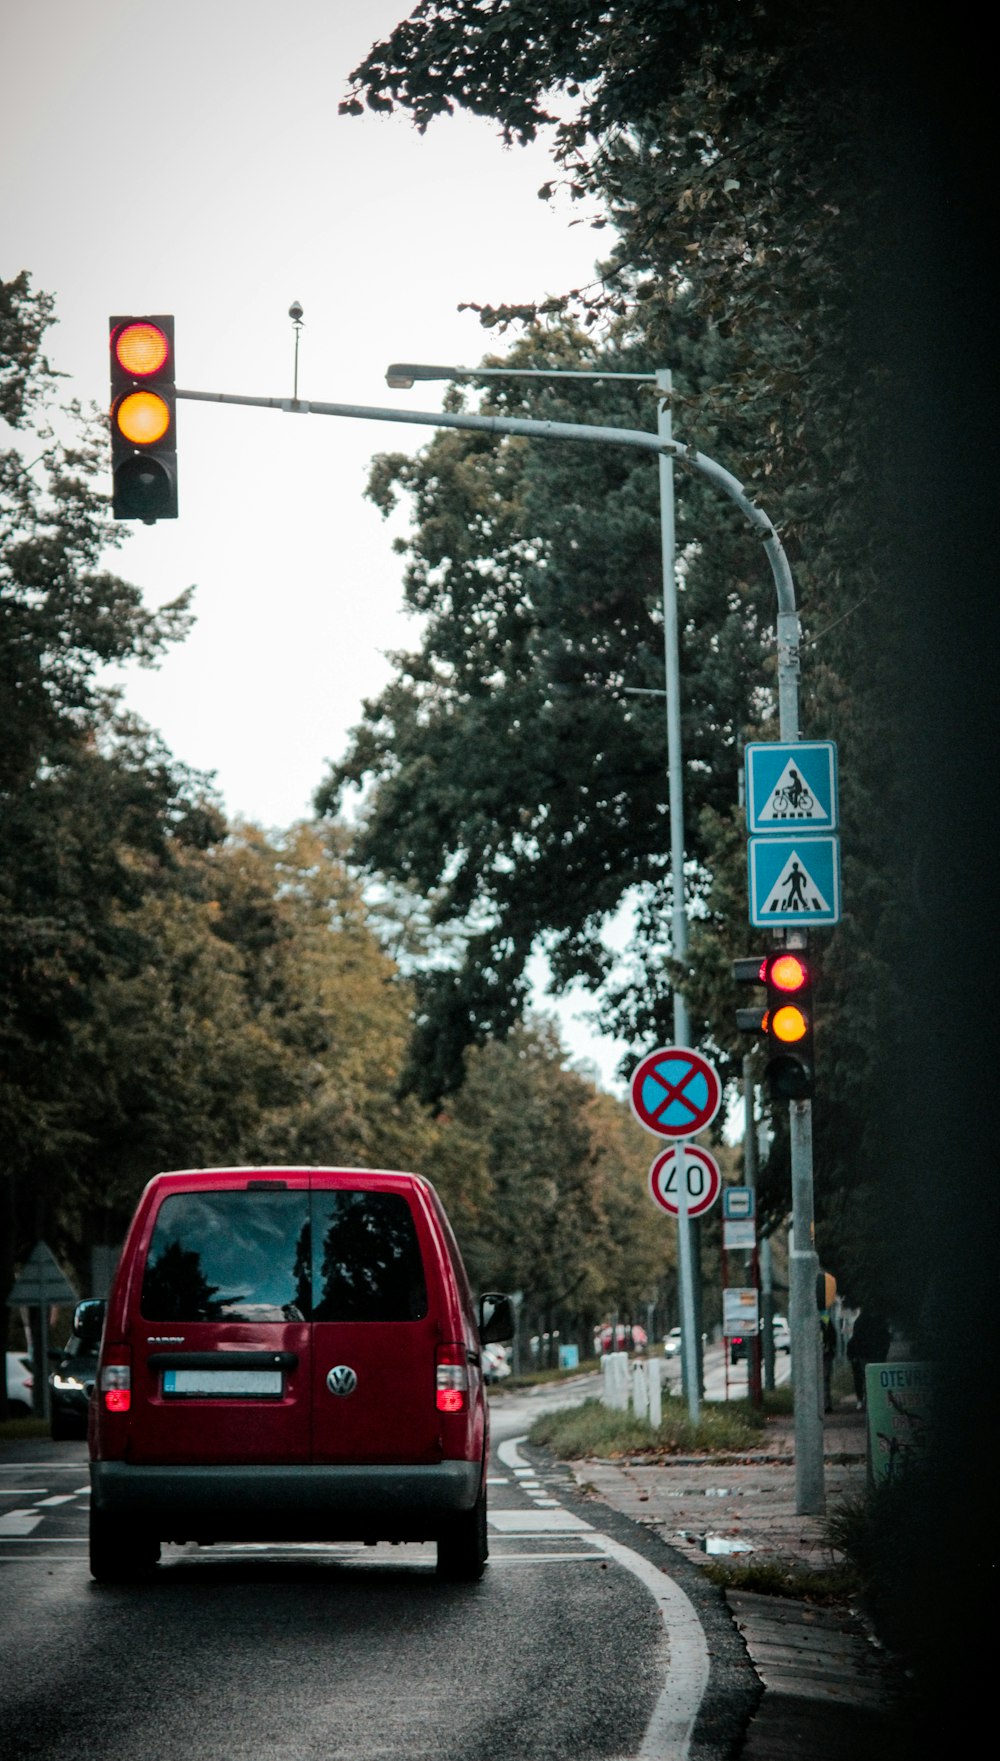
(827,1691)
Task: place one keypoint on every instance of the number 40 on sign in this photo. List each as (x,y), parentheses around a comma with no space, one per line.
(703,1180)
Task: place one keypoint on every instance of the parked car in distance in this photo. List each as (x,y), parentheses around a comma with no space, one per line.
(780,1333)
(496,1363)
(71,1383)
(20,1385)
(291,1354)
(672,1343)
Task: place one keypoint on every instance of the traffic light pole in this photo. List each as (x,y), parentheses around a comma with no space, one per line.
(804,1263)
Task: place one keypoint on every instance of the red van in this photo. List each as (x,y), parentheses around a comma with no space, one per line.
(291,1354)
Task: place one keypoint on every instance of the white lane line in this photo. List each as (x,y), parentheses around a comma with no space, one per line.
(82,1491)
(683,1651)
(19,1522)
(57,1498)
(21,1491)
(537,1522)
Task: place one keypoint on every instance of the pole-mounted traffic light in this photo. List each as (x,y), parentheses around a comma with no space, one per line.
(826,1291)
(789,981)
(785,1021)
(143,419)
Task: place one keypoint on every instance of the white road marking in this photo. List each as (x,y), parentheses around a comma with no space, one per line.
(683,1651)
(537,1522)
(57,1498)
(19,1522)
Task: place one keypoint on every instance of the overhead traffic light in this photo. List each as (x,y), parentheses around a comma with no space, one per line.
(785,1020)
(789,1025)
(143,419)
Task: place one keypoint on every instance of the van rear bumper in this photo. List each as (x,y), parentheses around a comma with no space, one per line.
(297,1502)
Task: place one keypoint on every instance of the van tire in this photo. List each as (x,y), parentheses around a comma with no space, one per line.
(119,1552)
(462,1551)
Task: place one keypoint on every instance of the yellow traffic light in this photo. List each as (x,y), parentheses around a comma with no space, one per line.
(142,417)
(788,1024)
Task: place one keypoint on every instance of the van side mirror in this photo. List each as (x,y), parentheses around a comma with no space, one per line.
(88,1318)
(496,1318)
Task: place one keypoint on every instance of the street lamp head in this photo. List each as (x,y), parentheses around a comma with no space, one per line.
(401,375)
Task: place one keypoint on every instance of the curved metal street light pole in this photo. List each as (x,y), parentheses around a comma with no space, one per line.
(808,1402)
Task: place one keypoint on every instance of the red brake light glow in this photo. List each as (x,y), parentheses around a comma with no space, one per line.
(116,1387)
(452,1378)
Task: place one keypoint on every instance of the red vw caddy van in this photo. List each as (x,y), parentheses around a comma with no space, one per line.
(290,1354)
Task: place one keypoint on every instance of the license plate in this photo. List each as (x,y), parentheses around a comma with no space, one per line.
(224,1384)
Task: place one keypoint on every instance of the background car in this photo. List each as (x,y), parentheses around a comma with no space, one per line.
(71,1382)
(496,1363)
(20,1385)
(782,1334)
(672,1343)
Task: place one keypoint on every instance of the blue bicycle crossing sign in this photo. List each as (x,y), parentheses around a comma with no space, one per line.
(794,879)
(791,783)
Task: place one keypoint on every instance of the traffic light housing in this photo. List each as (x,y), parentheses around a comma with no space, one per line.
(143,419)
(788,976)
(751,970)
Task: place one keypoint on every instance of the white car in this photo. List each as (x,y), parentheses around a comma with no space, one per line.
(496,1363)
(672,1343)
(781,1333)
(20,1385)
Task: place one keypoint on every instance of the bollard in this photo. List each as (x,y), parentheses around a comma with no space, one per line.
(618,1381)
(654,1371)
(640,1391)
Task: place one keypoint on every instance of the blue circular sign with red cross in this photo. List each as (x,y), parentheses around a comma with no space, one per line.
(675,1092)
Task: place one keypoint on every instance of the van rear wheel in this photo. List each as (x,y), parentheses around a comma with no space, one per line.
(462,1551)
(120,1552)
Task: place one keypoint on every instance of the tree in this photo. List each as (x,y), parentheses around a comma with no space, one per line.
(82,800)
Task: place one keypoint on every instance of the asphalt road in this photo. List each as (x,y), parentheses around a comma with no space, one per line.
(587,1640)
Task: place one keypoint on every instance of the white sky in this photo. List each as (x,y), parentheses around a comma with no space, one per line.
(189,158)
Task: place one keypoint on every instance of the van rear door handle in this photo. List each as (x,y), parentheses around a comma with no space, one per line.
(223,1360)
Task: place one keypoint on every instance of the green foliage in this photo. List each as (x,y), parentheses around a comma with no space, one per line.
(596,1430)
(741,157)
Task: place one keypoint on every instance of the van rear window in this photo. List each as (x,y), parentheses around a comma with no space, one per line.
(247,1256)
(367,1263)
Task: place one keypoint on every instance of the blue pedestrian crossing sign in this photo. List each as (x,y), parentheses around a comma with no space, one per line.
(794,879)
(791,783)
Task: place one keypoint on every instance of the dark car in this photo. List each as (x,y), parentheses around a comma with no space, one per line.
(71,1383)
(291,1354)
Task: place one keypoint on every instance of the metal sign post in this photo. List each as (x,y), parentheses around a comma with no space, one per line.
(673,1093)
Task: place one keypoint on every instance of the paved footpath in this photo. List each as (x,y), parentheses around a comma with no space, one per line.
(827,1684)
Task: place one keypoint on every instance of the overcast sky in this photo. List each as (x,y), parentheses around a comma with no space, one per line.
(190,159)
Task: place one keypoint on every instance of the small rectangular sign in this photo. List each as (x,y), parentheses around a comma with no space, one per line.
(739,1232)
(739,1313)
(738,1201)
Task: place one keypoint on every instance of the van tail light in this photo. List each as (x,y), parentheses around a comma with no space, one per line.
(452,1378)
(116,1381)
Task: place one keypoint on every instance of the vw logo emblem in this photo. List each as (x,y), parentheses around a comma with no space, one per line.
(341,1379)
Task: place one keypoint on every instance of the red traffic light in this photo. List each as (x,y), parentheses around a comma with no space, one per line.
(141,348)
(789,1024)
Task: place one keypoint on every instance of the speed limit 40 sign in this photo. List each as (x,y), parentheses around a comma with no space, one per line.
(703,1180)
